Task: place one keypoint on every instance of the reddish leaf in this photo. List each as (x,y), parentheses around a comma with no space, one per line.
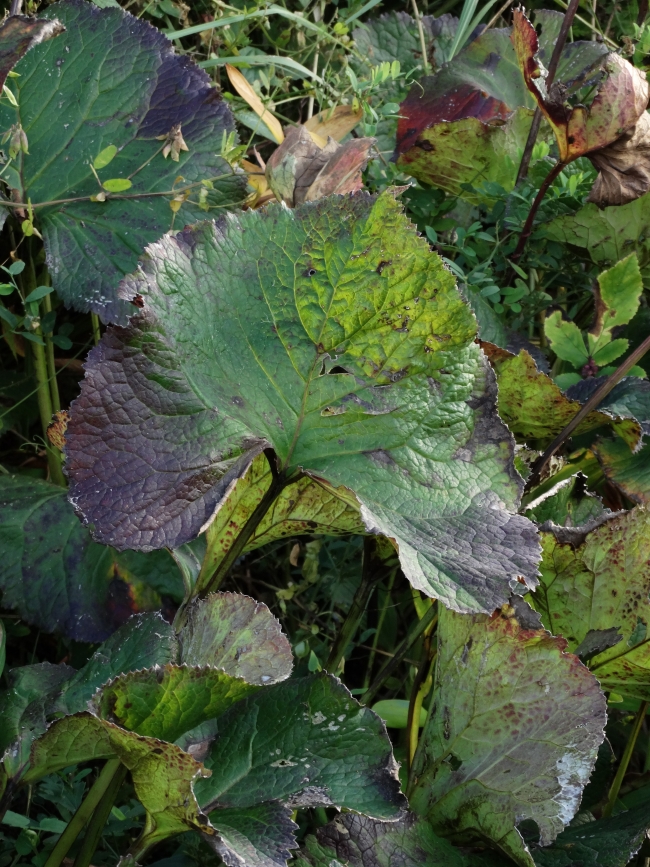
(618,105)
(18,34)
(301,171)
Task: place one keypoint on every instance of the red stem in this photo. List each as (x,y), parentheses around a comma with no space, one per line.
(528,225)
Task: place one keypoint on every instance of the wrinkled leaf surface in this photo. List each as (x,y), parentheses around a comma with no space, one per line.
(513,736)
(333,334)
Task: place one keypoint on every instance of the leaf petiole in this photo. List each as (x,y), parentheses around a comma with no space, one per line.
(83,814)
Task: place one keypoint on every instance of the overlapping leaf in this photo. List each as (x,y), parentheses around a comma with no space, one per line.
(359,841)
(161,772)
(234,633)
(38,693)
(468,123)
(630,397)
(58,579)
(568,504)
(630,472)
(394,36)
(303,742)
(606,843)
(302,171)
(597,581)
(617,109)
(535,408)
(332,334)
(269,748)
(513,735)
(111,81)
(165,702)
(620,101)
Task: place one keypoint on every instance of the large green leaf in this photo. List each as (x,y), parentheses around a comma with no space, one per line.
(606,843)
(111,80)
(598,581)
(234,633)
(58,579)
(165,702)
(304,742)
(513,734)
(359,841)
(334,335)
(535,408)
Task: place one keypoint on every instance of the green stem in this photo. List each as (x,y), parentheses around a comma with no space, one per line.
(83,814)
(99,819)
(45,409)
(211,576)
(370,575)
(537,201)
(94,318)
(405,645)
(380,624)
(49,352)
(625,760)
(421,688)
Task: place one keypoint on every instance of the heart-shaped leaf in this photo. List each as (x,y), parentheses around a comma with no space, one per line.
(598,580)
(112,80)
(334,335)
(514,733)
(58,579)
